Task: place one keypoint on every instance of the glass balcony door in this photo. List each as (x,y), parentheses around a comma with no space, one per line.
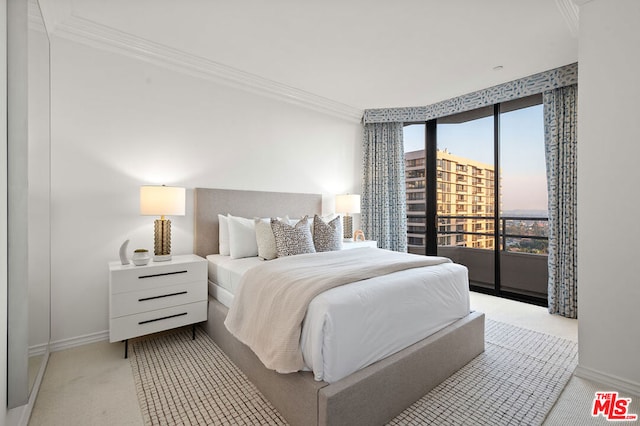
(476,193)
(466,193)
(524,218)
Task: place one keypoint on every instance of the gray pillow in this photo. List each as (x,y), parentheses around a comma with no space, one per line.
(327,236)
(292,240)
(265,239)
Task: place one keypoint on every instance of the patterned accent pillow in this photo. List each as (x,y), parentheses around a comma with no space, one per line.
(292,240)
(327,236)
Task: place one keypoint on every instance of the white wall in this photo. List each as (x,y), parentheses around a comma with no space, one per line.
(3,211)
(119,122)
(18,186)
(38,202)
(608,177)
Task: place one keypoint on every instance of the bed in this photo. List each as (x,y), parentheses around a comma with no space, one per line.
(371,395)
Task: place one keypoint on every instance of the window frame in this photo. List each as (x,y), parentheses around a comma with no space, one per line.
(485,183)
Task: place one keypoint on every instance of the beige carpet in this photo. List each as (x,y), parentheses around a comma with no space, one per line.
(516,380)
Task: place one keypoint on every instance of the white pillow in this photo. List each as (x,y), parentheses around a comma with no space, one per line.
(266,240)
(223,235)
(242,237)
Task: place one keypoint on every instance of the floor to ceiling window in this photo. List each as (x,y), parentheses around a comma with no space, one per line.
(523,194)
(488,195)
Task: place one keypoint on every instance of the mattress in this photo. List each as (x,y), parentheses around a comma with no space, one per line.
(352,326)
(225,273)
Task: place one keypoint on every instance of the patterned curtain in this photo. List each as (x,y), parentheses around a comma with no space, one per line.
(560,134)
(384,207)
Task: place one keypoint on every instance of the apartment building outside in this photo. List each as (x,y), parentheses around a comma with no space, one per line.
(466,191)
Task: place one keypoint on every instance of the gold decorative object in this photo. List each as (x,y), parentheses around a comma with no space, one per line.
(359,235)
(347,203)
(162,237)
(161,201)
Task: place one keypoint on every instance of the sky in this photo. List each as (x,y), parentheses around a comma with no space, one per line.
(521,158)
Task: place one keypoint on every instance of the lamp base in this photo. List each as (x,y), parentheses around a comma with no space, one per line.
(162,240)
(161,257)
(347,227)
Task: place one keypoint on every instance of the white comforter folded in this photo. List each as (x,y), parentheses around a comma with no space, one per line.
(272,299)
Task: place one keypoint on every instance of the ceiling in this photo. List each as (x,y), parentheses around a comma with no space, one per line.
(357,53)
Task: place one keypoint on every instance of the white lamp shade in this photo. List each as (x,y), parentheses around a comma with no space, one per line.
(162,201)
(348,203)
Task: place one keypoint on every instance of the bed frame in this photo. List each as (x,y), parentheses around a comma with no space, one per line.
(371,396)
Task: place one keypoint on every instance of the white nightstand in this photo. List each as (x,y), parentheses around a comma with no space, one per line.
(155,297)
(346,245)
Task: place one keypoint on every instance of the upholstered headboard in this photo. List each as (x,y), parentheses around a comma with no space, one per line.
(211,202)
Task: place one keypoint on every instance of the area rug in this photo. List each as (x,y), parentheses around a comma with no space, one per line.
(180,381)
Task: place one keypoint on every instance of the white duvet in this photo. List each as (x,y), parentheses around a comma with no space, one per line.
(352,326)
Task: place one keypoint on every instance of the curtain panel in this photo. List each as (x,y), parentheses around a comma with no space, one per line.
(384,206)
(560,133)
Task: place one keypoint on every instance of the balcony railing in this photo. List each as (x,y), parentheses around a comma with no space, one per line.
(510,238)
(522,242)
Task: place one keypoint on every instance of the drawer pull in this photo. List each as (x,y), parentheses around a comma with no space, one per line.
(144,299)
(161,275)
(160,319)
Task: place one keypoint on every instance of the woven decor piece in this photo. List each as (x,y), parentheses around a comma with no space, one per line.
(515,381)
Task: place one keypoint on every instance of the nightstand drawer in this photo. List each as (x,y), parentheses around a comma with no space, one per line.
(156,298)
(126,327)
(155,275)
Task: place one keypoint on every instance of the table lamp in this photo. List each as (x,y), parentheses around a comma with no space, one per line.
(162,201)
(347,204)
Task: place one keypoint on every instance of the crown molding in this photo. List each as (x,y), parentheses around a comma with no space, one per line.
(570,13)
(91,33)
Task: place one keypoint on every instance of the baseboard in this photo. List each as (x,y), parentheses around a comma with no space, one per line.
(18,416)
(60,345)
(617,383)
(40,349)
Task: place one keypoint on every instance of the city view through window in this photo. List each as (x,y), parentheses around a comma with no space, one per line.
(466,180)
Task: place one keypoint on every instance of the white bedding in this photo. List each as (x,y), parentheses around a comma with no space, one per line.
(352,326)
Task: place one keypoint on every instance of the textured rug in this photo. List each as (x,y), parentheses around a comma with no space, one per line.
(516,380)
